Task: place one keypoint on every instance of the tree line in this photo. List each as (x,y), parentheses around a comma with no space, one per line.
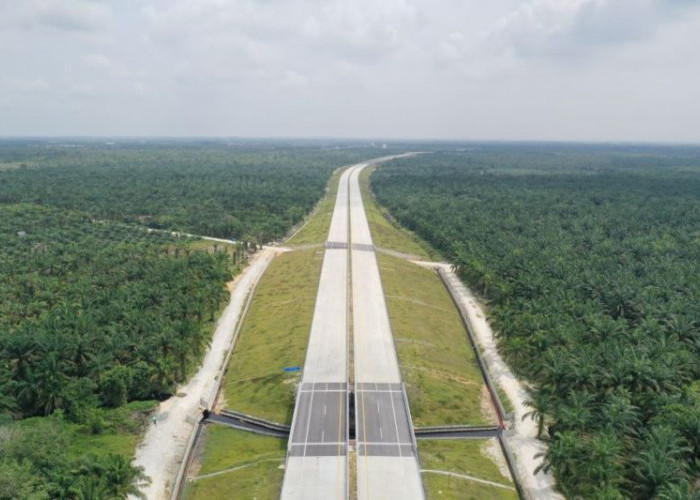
(589,260)
(252,194)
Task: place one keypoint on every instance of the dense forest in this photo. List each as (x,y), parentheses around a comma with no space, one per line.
(208,188)
(100,317)
(589,258)
(92,315)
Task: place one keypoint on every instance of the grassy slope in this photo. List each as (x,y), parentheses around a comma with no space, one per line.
(260,457)
(316,228)
(462,457)
(274,335)
(437,363)
(443,380)
(384,233)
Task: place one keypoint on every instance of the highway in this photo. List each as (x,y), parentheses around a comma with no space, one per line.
(316,466)
(317,455)
(387,463)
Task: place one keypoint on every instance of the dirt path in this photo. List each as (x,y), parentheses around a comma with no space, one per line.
(523,439)
(163,446)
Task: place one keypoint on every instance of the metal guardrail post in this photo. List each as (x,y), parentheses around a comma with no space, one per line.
(414,444)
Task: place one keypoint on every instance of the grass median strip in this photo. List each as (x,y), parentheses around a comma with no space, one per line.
(274,335)
(463,468)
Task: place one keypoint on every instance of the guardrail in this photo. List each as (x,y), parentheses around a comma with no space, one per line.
(510,458)
(208,404)
(498,405)
(176,493)
(261,422)
(414,444)
(513,466)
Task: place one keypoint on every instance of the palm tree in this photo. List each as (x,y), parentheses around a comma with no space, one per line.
(663,459)
(541,402)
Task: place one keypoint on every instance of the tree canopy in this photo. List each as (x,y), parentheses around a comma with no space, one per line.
(588,257)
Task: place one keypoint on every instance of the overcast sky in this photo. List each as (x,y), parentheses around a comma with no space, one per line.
(606,70)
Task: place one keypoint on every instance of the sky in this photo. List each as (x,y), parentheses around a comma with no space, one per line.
(570,70)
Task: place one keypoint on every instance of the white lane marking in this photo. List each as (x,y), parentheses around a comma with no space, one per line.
(323,435)
(396,424)
(381,434)
(324,410)
(327,443)
(308,422)
(378,410)
(375,443)
(326,390)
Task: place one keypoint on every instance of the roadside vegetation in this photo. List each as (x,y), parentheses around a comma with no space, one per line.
(443,381)
(274,335)
(467,457)
(55,457)
(588,258)
(245,465)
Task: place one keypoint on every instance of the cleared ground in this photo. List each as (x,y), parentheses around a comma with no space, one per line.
(275,334)
(466,458)
(238,464)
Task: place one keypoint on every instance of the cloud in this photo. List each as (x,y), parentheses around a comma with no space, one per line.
(361,30)
(293,80)
(60,15)
(26,86)
(570,29)
(450,68)
(104,65)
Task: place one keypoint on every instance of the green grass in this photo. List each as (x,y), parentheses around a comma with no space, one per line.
(275,334)
(387,235)
(505,400)
(226,447)
(316,228)
(455,488)
(462,456)
(259,459)
(120,430)
(443,380)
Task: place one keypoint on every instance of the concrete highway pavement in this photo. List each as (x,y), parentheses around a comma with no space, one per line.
(316,466)
(387,462)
